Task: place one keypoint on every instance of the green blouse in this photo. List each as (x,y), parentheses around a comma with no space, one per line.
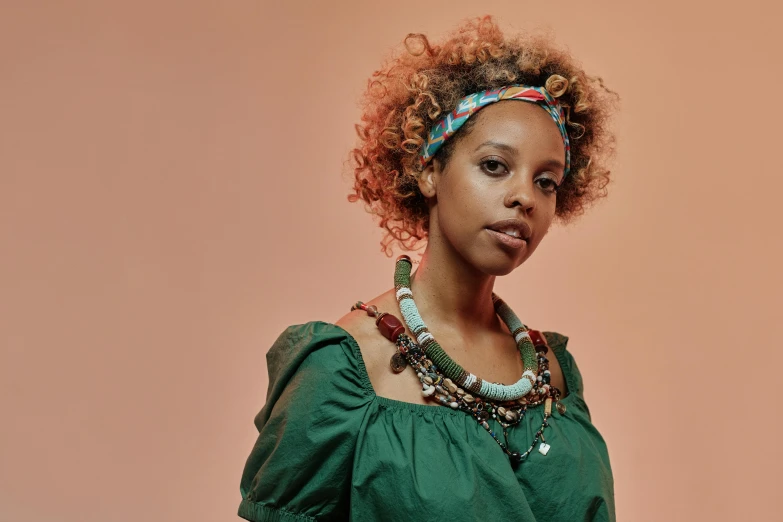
(329,448)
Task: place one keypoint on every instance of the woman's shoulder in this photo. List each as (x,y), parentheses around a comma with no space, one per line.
(319,357)
(299,343)
(555,339)
(558,343)
(374,348)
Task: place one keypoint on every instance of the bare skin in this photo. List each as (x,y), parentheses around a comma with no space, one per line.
(505,167)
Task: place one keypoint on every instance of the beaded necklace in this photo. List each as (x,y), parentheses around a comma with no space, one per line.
(451,369)
(441,388)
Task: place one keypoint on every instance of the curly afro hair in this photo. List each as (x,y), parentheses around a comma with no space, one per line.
(424,82)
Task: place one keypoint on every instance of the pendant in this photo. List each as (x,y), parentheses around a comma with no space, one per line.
(398,362)
(561,408)
(543,448)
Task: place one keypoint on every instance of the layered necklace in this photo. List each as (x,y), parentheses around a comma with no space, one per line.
(447,383)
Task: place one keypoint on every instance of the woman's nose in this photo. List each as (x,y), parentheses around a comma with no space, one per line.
(521,192)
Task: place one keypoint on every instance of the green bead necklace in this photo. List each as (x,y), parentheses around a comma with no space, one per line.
(449,367)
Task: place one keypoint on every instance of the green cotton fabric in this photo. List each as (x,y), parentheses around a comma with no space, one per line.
(328,448)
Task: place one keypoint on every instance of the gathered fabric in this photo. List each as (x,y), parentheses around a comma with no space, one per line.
(329,448)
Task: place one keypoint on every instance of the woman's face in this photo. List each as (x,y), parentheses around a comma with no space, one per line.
(504,169)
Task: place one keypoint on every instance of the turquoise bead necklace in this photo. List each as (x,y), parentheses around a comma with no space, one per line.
(476,385)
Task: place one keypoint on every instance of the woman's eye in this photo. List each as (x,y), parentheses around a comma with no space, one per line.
(493,166)
(549,185)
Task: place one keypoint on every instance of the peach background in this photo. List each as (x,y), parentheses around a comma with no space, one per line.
(171,199)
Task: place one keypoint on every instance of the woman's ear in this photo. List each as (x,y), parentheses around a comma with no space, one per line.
(427,180)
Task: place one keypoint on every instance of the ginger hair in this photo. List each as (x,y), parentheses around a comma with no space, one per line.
(423,82)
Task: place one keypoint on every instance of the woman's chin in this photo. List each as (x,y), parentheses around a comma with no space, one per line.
(503,271)
(498,266)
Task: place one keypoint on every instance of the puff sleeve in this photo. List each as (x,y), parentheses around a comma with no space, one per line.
(576,387)
(301,463)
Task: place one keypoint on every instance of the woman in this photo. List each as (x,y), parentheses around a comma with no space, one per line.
(397,411)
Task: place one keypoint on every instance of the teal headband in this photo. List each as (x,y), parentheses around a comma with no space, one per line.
(470,104)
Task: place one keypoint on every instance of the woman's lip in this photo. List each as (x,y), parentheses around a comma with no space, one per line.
(510,241)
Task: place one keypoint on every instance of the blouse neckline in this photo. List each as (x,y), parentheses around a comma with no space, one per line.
(387,402)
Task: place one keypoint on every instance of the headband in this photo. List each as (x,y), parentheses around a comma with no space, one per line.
(470,104)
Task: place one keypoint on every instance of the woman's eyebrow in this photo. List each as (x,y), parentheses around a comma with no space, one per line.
(499,145)
(555,164)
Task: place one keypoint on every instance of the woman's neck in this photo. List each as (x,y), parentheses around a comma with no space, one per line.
(448,291)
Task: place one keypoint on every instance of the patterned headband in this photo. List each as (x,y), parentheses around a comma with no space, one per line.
(470,104)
